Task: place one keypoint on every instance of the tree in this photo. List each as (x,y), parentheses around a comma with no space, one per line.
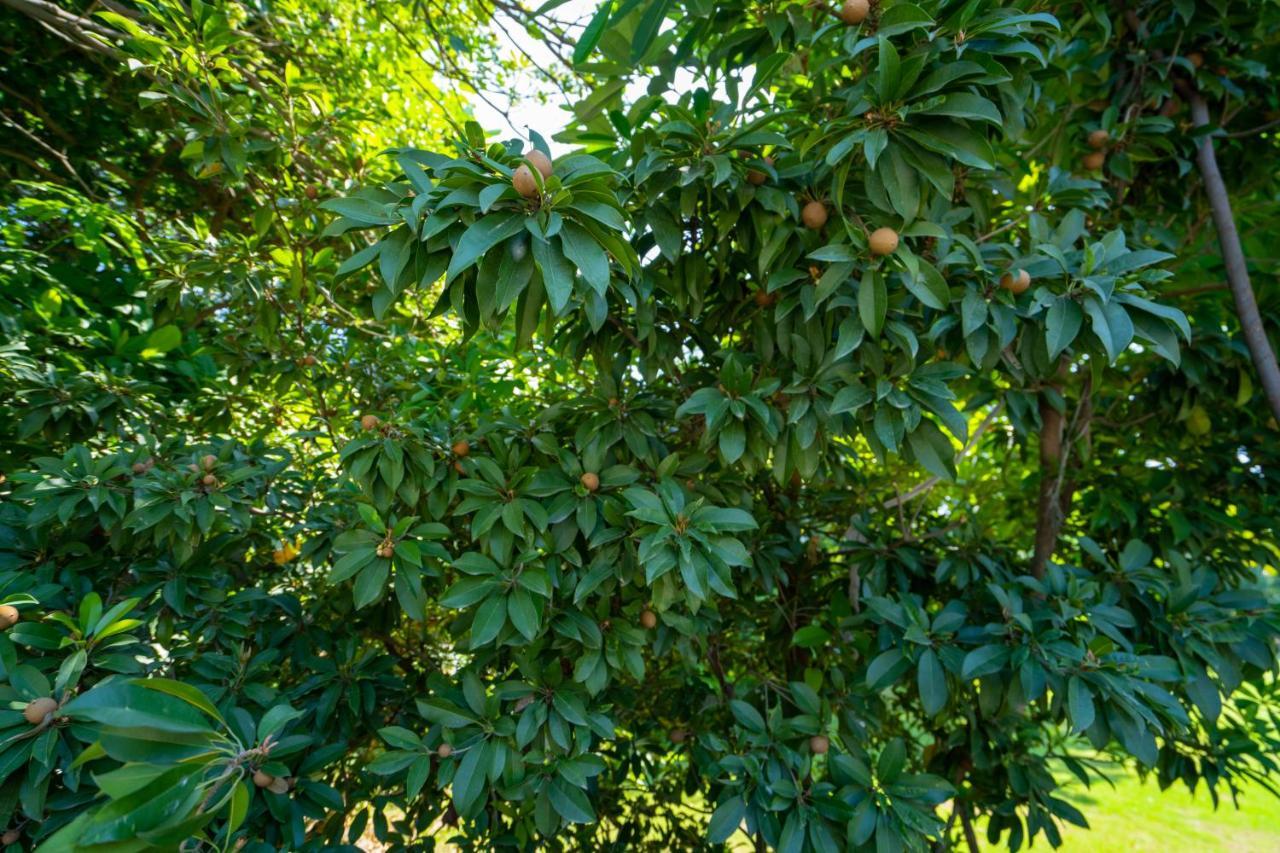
(815,452)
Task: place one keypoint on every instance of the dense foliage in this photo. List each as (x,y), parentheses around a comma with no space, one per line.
(841,450)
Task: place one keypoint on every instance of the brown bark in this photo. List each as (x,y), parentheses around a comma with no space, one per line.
(1048,507)
(1255,336)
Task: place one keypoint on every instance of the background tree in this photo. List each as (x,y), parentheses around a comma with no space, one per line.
(835,449)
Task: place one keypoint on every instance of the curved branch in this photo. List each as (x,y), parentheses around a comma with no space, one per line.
(1255,335)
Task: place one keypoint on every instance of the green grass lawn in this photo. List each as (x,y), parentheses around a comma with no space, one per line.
(1135,816)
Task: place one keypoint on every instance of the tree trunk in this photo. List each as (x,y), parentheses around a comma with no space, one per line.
(1264,359)
(1048,508)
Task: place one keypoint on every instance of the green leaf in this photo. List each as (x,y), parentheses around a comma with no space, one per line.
(557,274)
(873,301)
(1062,324)
(891,761)
(932,682)
(523,612)
(726,819)
(888,77)
(489,619)
(647,29)
(570,802)
(747,716)
(591,35)
(164,339)
(483,235)
(1079,703)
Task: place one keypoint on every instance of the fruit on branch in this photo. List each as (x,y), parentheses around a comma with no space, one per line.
(524,182)
(814,215)
(38,709)
(648,619)
(1098,139)
(369,423)
(8,616)
(854,12)
(540,161)
(461,448)
(590,481)
(883,241)
(1016,281)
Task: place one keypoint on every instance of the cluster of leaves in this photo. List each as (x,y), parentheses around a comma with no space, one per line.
(650,508)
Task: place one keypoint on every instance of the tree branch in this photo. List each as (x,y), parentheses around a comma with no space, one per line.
(1255,336)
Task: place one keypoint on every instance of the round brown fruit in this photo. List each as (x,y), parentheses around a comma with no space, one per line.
(444,750)
(590,481)
(38,709)
(11,836)
(9,616)
(208,461)
(648,619)
(854,12)
(369,422)
(1016,281)
(678,735)
(308,360)
(461,448)
(208,479)
(819,744)
(1196,58)
(139,468)
(763,299)
(756,177)
(524,182)
(263,780)
(540,161)
(814,215)
(279,785)
(883,241)
(1093,161)
(1099,139)
(312,192)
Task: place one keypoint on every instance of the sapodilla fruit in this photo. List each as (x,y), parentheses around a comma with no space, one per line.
(756,177)
(38,709)
(1016,281)
(11,836)
(444,750)
(819,744)
(279,785)
(854,12)
(263,780)
(648,619)
(814,215)
(208,461)
(369,422)
(8,616)
(1099,139)
(461,448)
(1094,160)
(540,161)
(883,241)
(524,182)
(590,481)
